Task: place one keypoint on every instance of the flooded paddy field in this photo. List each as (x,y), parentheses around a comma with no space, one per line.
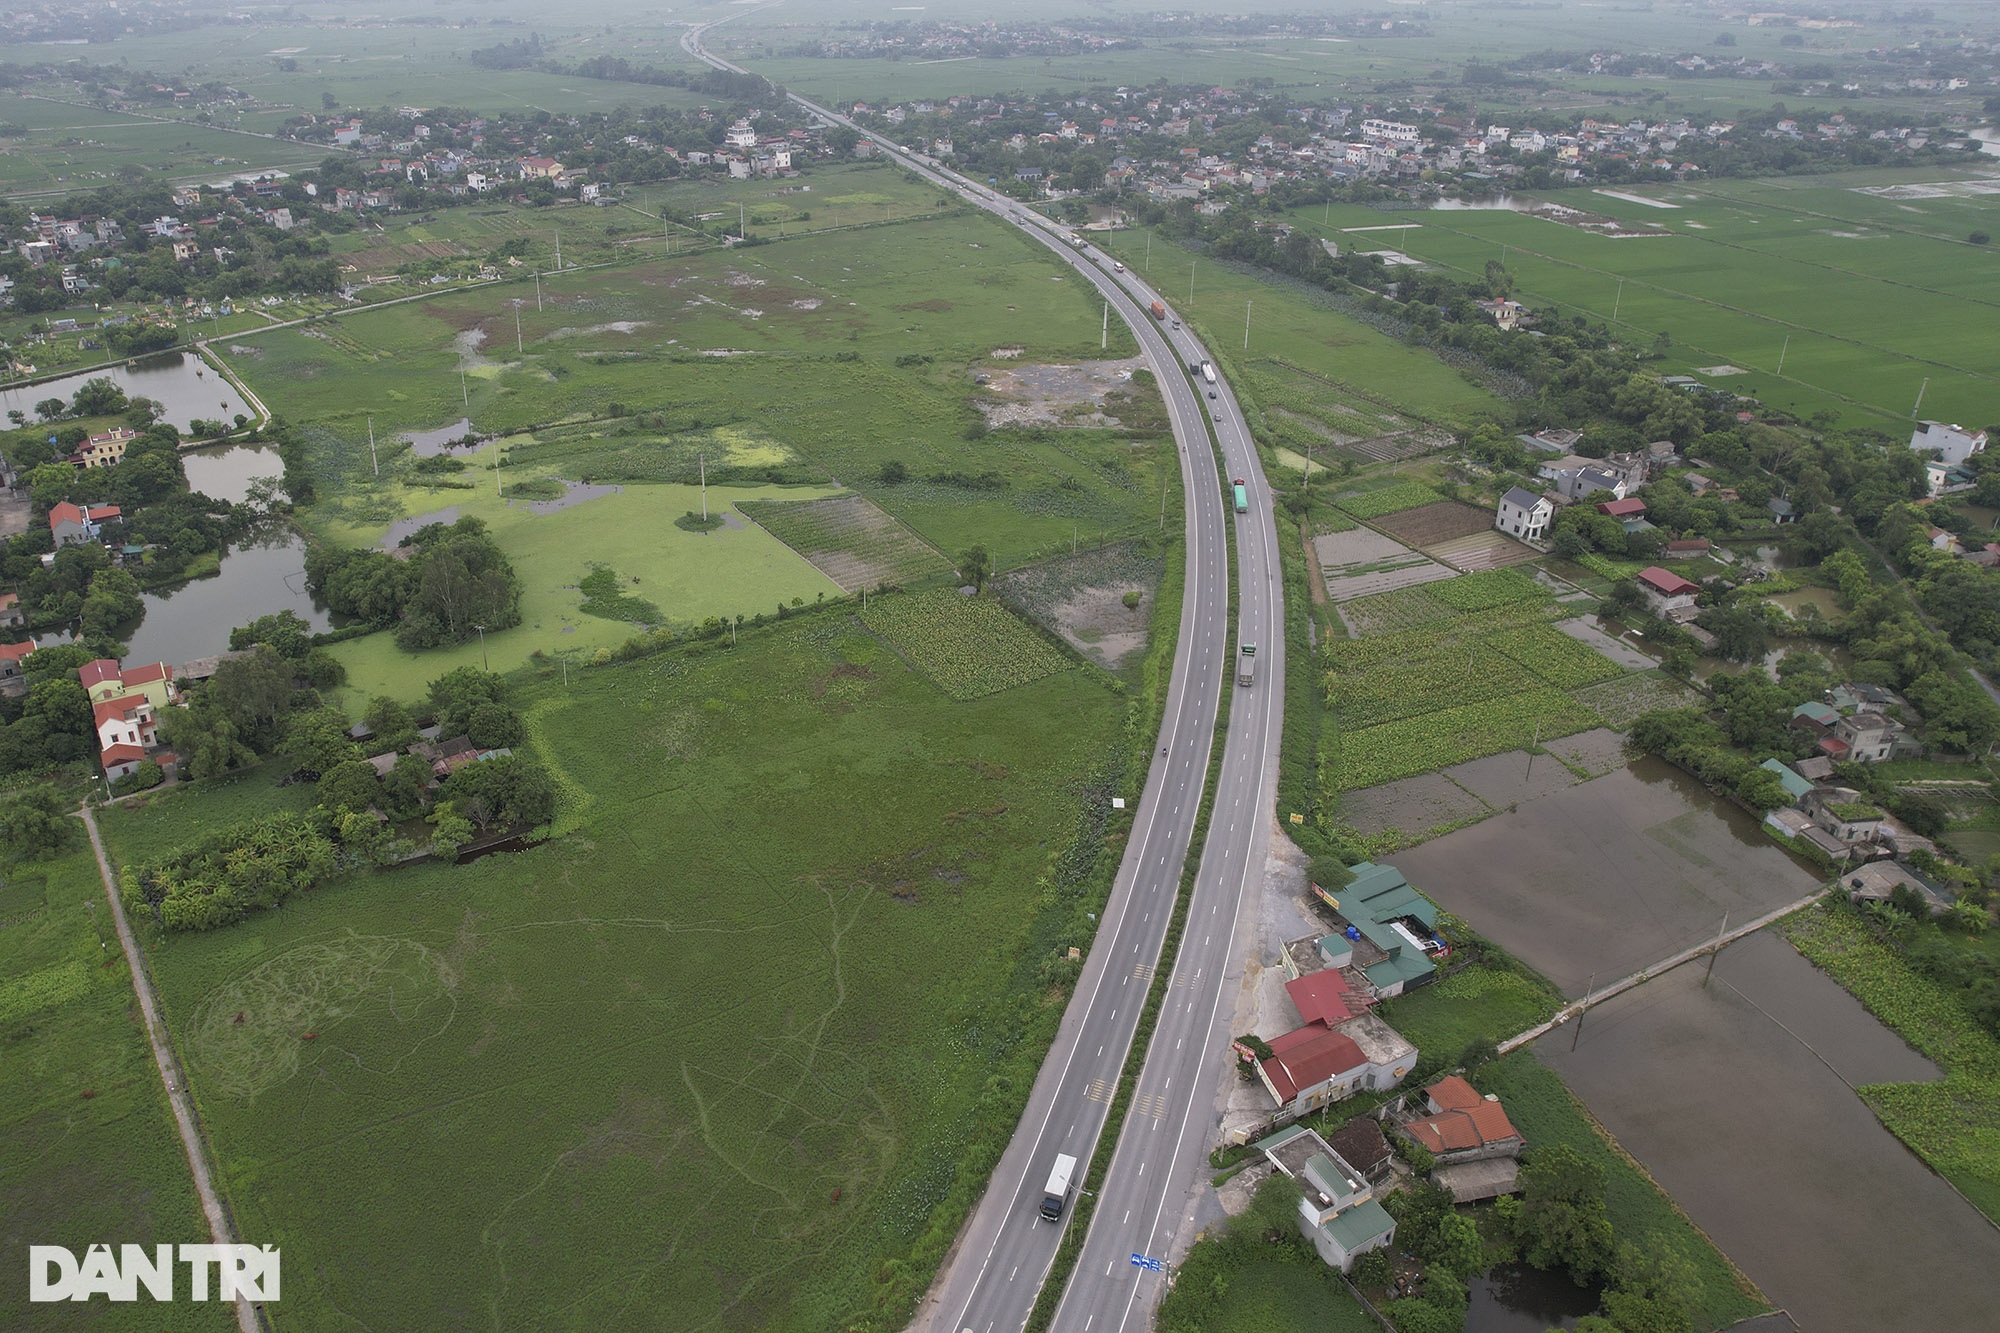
(1738,1099)
(1607,876)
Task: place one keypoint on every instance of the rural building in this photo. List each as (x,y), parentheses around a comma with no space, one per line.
(1389,929)
(125,708)
(1781,510)
(1630,507)
(1665,591)
(1552,441)
(1476,1147)
(1687,548)
(1842,812)
(1361,1144)
(1337,1208)
(1949,444)
(13,679)
(1947,478)
(1794,824)
(1524,514)
(1794,784)
(104,450)
(11,613)
(1507,314)
(73,525)
(1878,880)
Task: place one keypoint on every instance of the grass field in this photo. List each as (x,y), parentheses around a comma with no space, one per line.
(783,1070)
(737,569)
(1954,1123)
(1292,339)
(1862,297)
(71,147)
(88,1152)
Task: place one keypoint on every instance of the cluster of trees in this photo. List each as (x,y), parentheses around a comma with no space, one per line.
(225,873)
(1557,1222)
(455,583)
(259,257)
(362,807)
(245,709)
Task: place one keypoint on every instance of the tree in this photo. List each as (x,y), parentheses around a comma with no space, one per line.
(1561,1222)
(34,826)
(206,742)
(449,830)
(98,397)
(455,694)
(349,786)
(317,741)
(254,694)
(390,723)
(51,409)
(286,633)
(976,565)
(492,726)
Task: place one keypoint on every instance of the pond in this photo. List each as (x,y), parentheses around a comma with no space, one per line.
(183,383)
(1514,1298)
(225,471)
(258,578)
(431,443)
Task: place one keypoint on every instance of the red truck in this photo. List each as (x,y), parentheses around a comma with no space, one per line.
(1159,312)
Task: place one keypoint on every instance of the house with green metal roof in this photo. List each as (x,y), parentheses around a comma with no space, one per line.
(1795,786)
(1337,1208)
(1392,928)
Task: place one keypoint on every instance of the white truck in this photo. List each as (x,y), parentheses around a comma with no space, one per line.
(1246,664)
(1055,1195)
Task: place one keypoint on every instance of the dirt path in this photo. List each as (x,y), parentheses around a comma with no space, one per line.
(221,1231)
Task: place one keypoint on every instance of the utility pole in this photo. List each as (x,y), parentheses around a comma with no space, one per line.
(1190,285)
(1781,353)
(742,226)
(1149,250)
(484,665)
(1619,301)
(1920,398)
(496,469)
(1538,731)
(371,447)
(538,291)
(464,394)
(558,249)
(1104,333)
(1246,323)
(702,461)
(1577,1036)
(517,327)
(1720,932)
(1163,499)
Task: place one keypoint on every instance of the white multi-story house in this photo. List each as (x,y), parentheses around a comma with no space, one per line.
(1524,514)
(1951,444)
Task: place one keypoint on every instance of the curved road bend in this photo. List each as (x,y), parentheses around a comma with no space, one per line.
(992,1279)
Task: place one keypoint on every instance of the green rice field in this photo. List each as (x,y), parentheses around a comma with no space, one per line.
(699,1063)
(1862,285)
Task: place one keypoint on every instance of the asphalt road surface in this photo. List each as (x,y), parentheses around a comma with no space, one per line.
(991,1281)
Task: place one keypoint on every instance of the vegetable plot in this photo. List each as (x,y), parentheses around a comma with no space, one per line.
(968,646)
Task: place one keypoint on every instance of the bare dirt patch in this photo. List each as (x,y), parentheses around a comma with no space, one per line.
(1082,598)
(1056,395)
(849,539)
(1410,806)
(1355,564)
(1431,524)
(1484,550)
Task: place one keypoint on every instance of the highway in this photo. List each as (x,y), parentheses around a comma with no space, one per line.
(994,1274)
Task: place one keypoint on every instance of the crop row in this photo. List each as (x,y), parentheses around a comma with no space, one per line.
(1450,676)
(969,646)
(1554,656)
(1389,500)
(1452,735)
(1489,589)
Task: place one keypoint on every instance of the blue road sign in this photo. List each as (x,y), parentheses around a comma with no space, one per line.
(1147,1262)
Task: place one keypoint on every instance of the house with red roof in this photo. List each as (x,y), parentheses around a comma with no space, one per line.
(1666,591)
(13,674)
(1630,507)
(1475,1145)
(125,707)
(73,525)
